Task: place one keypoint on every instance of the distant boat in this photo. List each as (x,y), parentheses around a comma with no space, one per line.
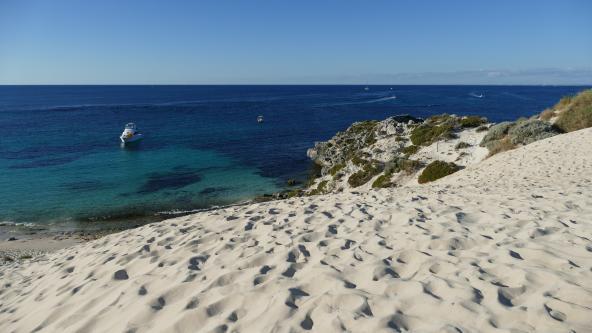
(259,119)
(476,95)
(366,88)
(130,134)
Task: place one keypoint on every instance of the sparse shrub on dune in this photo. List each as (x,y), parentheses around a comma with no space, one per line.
(410,150)
(361,177)
(482,128)
(336,168)
(426,134)
(529,131)
(496,132)
(462,145)
(472,121)
(547,115)
(437,170)
(577,114)
(321,188)
(499,146)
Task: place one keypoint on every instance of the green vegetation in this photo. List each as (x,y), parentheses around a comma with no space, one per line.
(336,168)
(482,128)
(426,134)
(437,170)
(369,170)
(358,160)
(321,188)
(383,180)
(472,121)
(410,150)
(462,145)
(26,256)
(577,114)
(314,173)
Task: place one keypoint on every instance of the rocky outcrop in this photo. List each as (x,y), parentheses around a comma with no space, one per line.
(391,152)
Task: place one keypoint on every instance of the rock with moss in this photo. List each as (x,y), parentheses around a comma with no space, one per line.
(437,170)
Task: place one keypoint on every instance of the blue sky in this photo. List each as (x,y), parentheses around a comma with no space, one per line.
(332,41)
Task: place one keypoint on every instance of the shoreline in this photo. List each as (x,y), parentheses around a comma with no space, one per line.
(501,243)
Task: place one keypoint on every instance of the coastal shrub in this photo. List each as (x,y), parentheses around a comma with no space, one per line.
(496,132)
(400,139)
(528,131)
(462,145)
(578,114)
(426,134)
(437,170)
(482,128)
(383,180)
(498,146)
(547,115)
(336,168)
(410,150)
(321,188)
(472,121)
(358,160)
(440,119)
(361,177)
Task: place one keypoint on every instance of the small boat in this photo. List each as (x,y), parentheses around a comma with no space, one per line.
(130,134)
(366,88)
(259,119)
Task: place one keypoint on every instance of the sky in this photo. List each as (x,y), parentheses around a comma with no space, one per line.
(295,42)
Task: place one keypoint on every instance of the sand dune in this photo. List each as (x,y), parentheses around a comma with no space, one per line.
(502,246)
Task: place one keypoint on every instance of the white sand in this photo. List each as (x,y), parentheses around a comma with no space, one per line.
(502,246)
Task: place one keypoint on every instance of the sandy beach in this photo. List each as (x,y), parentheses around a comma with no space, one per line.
(502,246)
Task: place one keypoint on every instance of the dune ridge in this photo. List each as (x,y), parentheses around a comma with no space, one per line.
(501,246)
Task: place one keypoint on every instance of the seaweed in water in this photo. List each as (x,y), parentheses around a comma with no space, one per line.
(178,178)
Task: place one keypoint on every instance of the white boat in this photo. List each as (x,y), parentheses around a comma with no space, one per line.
(366,88)
(259,119)
(131,134)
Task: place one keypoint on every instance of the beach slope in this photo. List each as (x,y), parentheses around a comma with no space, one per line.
(501,246)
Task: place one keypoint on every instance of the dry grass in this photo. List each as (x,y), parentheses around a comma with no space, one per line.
(499,146)
(547,114)
(577,114)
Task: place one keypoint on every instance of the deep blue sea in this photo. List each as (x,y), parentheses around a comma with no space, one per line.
(61,161)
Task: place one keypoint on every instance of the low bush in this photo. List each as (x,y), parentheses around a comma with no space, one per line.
(336,168)
(321,188)
(410,150)
(496,132)
(437,170)
(361,177)
(529,131)
(472,121)
(482,128)
(426,134)
(462,145)
(383,180)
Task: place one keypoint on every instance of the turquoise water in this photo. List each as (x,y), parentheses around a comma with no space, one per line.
(61,161)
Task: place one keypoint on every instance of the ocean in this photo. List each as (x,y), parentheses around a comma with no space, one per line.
(61,161)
